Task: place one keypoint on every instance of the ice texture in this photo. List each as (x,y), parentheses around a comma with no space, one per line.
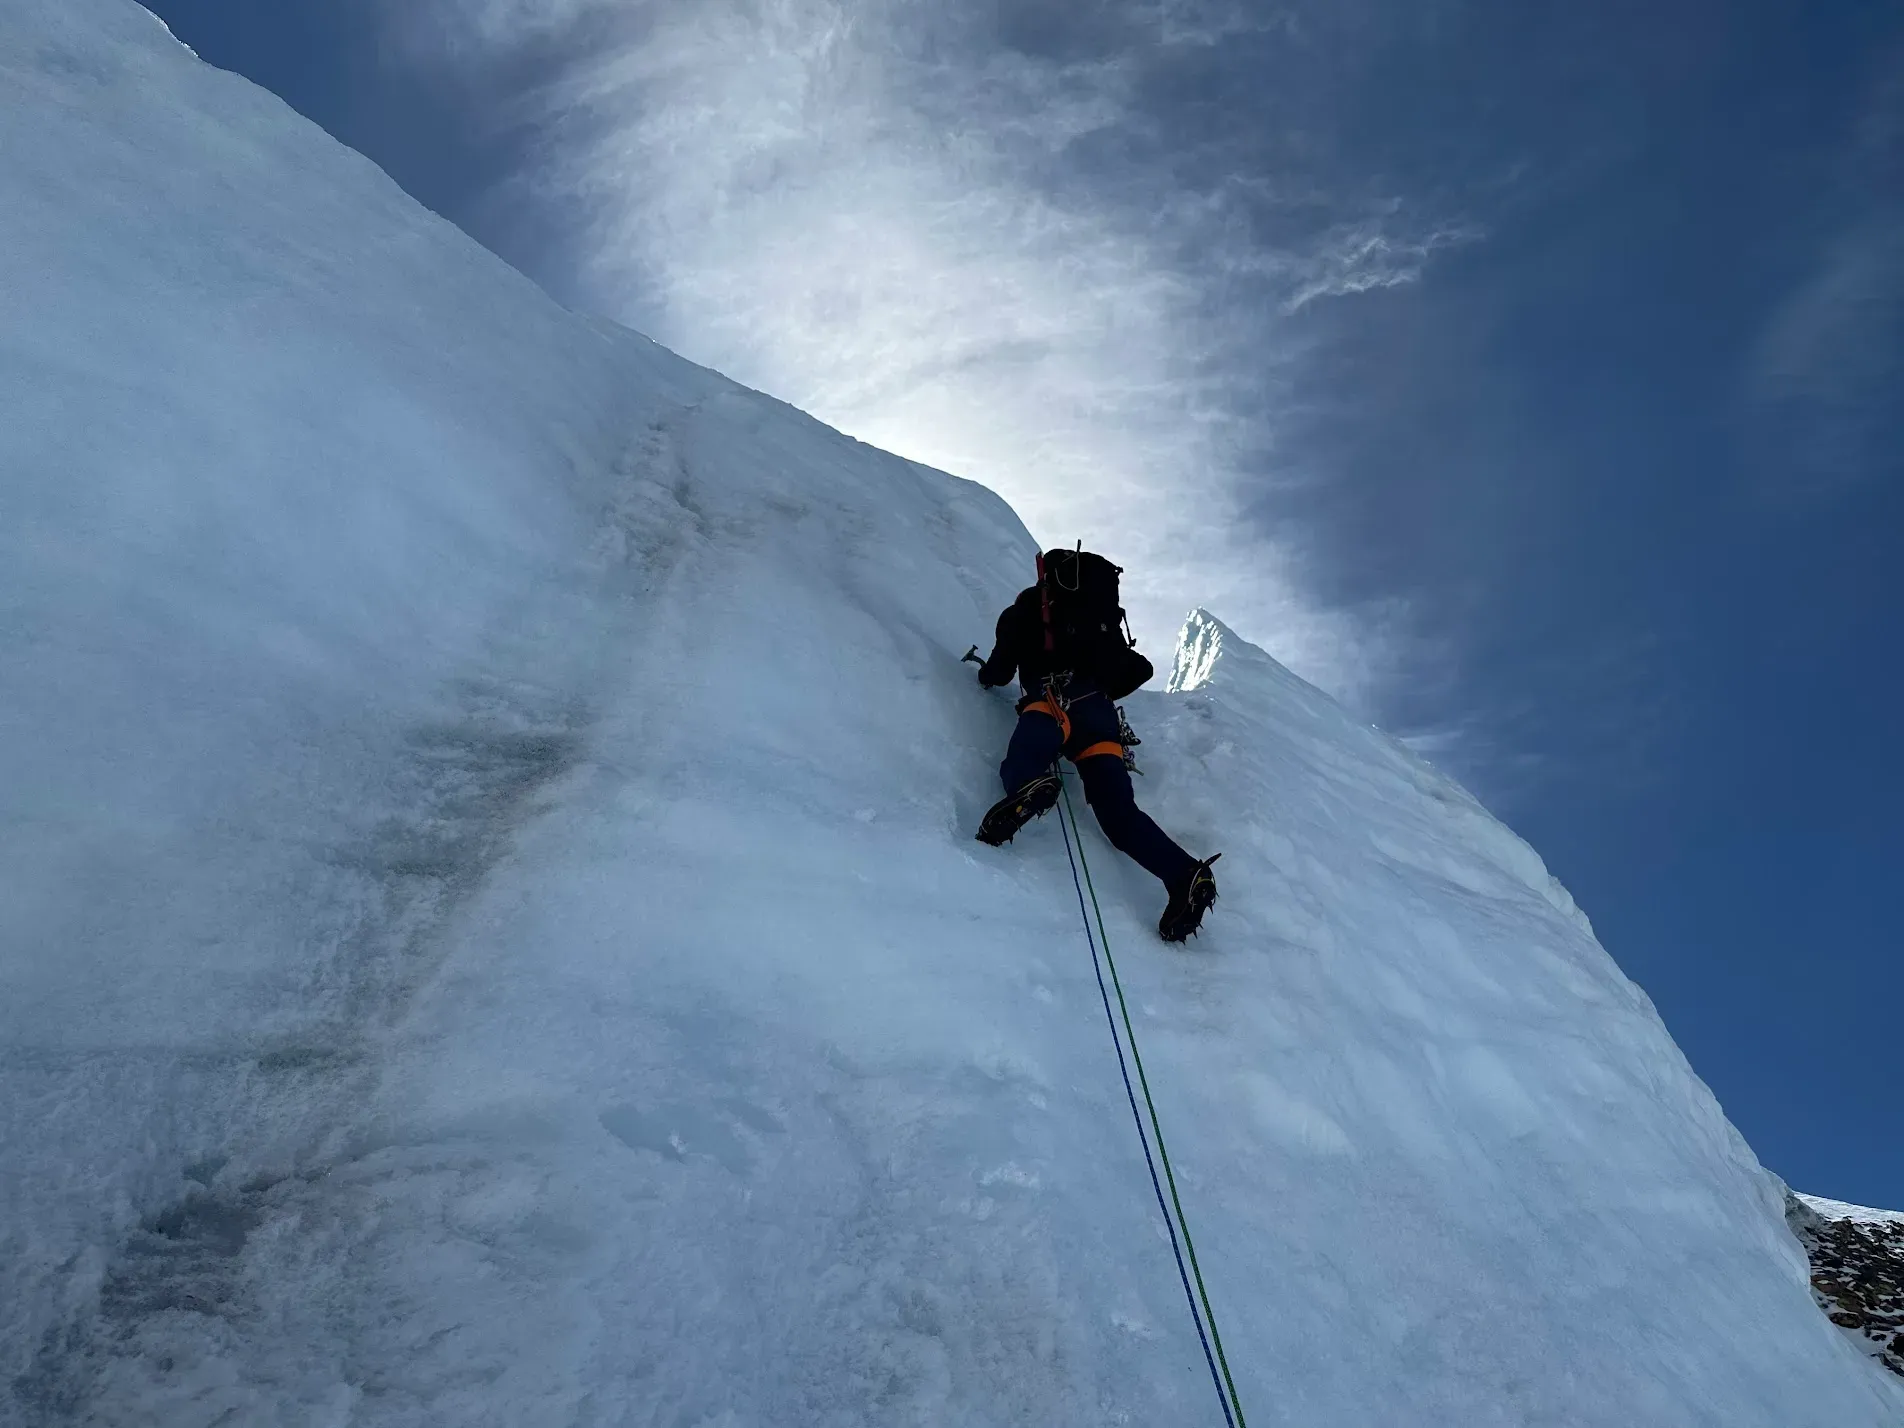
(492,932)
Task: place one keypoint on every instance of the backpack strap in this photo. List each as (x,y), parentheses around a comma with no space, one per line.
(1044,602)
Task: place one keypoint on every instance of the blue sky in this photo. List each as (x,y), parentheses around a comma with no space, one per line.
(1527,374)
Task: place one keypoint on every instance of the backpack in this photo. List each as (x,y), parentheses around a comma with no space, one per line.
(1084,624)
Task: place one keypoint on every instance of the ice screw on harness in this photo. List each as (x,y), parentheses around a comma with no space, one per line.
(1127,736)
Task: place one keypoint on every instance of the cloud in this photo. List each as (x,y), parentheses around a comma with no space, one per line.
(956,232)
(1825,374)
(1363,258)
(1830,364)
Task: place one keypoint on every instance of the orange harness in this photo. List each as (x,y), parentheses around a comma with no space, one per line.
(1103,746)
(1046,706)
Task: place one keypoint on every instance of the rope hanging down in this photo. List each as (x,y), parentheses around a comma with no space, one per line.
(1174,1222)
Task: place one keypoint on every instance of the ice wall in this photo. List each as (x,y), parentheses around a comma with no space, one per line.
(492,932)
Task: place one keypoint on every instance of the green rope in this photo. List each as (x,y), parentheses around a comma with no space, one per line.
(1170,1176)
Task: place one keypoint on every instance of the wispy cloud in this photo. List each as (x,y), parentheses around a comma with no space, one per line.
(1830,364)
(1364,258)
(936,227)
(1826,373)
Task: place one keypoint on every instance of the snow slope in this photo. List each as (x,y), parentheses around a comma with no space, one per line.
(492,932)
(1859,1214)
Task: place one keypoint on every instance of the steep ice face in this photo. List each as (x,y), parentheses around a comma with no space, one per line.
(494,936)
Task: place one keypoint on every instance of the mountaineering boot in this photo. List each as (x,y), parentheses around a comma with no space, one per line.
(1189,900)
(1012,812)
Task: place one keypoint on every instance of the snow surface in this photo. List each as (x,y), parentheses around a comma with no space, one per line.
(493,933)
(1862,1214)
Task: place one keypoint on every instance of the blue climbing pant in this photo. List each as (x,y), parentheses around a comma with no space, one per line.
(1085,731)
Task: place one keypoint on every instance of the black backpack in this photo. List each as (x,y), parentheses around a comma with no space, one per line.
(1085,630)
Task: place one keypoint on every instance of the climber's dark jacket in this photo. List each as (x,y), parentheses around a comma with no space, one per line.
(1112,667)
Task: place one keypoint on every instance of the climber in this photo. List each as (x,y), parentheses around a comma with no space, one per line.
(1067,641)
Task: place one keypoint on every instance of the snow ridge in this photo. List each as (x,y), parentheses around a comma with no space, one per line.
(494,934)
(1861,1214)
(1199,646)
(1207,649)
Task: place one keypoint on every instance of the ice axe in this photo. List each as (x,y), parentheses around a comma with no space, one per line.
(971,656)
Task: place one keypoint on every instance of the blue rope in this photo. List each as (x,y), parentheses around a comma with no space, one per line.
(1130,1094)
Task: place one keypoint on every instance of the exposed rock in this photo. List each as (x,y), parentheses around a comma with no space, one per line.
(1857,1271)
